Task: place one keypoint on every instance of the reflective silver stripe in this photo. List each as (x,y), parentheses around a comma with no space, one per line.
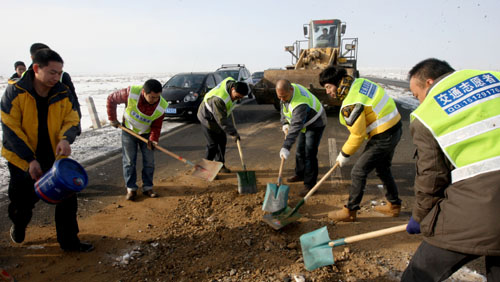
(381,104)
(208,107)
(381,121)
(160,108)
(137,125)
(134,96)
(469,131)
(314,117)
(474,169)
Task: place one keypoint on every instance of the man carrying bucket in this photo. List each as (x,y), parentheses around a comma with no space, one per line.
(457,184)
(369,113)
(304,118)
(39,122)
(144,113)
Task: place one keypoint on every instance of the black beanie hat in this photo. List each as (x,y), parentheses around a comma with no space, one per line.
(241,88)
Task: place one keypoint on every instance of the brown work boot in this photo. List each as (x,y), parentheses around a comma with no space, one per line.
(131,195)
(345,215)
(295,178)
(389,210)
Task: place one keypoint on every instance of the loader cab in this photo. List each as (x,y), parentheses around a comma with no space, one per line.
(324,33)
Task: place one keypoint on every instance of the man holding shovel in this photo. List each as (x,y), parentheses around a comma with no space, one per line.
(214,115)
(369,113)
(457,183)
(303,116)
(144,113)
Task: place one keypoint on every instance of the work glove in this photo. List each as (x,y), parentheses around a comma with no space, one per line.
(285,128)
(413,227)
(152,145)
(342,160)
(284,153)
(236,138)
(115,123)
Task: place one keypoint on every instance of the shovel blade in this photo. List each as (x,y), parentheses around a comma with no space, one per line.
(281,219)
(315,249)
(206,169)
(247,182)
(276,198)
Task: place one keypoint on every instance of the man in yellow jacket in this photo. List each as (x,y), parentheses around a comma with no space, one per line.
(369,113)
(39,122)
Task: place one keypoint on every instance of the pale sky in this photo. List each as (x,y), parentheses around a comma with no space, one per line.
(99,37)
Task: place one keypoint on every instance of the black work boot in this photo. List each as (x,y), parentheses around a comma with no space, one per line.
(17,234)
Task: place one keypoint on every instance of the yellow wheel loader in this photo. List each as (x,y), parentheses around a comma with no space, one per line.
(326,46)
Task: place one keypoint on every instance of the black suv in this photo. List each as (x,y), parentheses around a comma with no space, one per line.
(185,91)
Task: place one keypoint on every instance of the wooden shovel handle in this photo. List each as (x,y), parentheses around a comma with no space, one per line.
(157,146)
(280,173)
(321,181)
(241,154)
(369,235)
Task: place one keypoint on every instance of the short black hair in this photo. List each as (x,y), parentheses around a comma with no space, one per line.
(152,85)
(43,56)
(241,87)
(430,68)
(37,46)
(19,63)
(332,75)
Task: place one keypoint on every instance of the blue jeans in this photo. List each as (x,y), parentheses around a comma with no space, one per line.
(377,155)
(129,146)
(306,157)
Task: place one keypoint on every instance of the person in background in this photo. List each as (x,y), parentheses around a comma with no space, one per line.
(457,183)
(39,122)
(65,79)
(368,113)
(303,120)
(20,68)
(144,113)
(214,115)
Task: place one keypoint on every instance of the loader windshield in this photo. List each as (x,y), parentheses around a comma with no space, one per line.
(324,34)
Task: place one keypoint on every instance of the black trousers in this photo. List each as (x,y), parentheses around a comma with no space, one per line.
(306,156)
(431,263)
(23,199)
(377,156)
(216,144)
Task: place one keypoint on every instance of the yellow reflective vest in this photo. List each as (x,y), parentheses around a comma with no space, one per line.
(462,112)
(134,119)
(220,91)
(302,96)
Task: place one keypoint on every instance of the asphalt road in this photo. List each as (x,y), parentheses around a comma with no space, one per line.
(261,141)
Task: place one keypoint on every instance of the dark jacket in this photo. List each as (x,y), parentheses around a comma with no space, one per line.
(300,115)
(219,121)
(20,120)
(461,217)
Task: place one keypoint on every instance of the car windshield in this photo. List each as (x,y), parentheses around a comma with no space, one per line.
(228,73)
(185,81)
(257,75)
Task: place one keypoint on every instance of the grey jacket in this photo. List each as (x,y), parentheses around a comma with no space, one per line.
(300,115)
(463,216)
(219,121)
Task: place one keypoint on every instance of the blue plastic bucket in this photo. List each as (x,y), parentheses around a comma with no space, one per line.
(65,178)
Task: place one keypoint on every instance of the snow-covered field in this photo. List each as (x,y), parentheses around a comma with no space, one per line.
(97,143)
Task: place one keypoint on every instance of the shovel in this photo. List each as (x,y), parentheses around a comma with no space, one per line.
(280,219)
(276,195)
(204,169)
(246,179)
(317,246)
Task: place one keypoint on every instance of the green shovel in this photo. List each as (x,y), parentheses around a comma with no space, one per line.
(317,246)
